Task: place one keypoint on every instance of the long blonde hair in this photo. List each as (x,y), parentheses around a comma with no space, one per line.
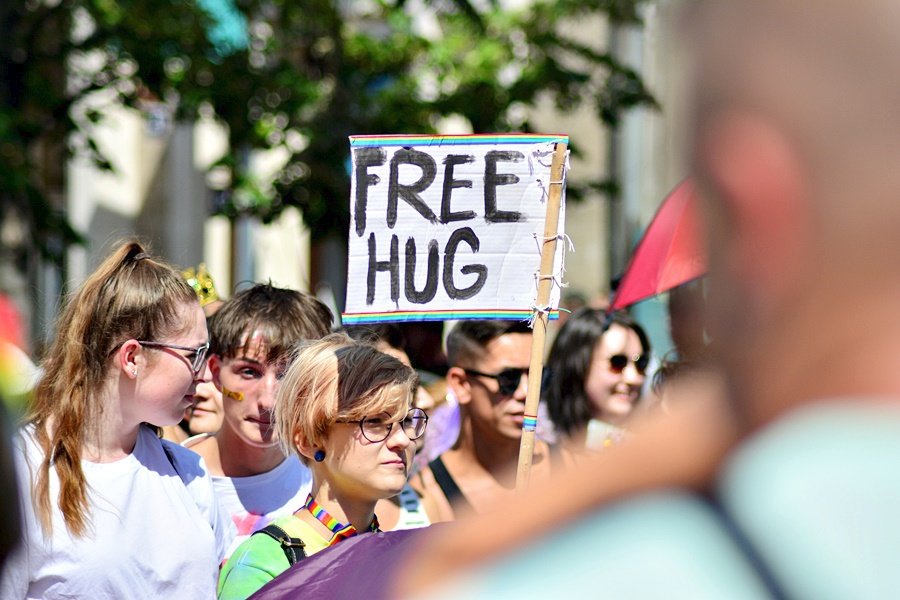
(131,295)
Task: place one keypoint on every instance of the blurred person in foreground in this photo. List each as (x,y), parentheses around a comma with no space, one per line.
(796,141)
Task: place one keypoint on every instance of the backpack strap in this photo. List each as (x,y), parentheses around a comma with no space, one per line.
(293,547)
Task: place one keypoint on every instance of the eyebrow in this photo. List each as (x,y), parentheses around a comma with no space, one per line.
(248,360)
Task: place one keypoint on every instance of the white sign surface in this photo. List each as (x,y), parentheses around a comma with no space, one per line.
(448,227)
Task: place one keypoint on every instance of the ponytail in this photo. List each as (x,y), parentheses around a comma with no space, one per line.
(131,295)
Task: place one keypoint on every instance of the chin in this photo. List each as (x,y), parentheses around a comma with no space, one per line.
(619,410)
(512,433)
(389,489)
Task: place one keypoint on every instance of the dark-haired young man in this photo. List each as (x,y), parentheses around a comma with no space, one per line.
(251,338)
(488,376)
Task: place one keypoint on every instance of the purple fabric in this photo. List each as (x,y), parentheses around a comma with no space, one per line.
(443,429)
(359,567)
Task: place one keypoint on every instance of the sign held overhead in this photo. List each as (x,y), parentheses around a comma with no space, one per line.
(448,227)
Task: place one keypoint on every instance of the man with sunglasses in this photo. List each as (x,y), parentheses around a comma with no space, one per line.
(488,376)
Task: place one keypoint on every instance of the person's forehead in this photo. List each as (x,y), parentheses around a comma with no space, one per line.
(197,332)
(618,337)
(255,348)
(509,349)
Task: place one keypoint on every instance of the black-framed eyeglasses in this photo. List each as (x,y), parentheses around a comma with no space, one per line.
(508,380)
(619,362)
(377,429)
(196,356)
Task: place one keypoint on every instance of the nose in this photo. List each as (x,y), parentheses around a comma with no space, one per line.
(269,385)
(398,439)
(205,373)
(522,390)
(632,376)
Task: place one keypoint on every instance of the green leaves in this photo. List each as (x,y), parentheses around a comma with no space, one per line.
(298,77)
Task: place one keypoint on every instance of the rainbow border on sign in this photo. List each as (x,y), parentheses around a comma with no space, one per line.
(453,140)
(440,315)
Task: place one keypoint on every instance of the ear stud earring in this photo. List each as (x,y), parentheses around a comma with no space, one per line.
(319,455)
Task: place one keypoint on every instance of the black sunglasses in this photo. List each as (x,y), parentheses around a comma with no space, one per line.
(619,362)
(508,380)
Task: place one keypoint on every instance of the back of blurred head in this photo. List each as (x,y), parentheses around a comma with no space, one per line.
(796,140)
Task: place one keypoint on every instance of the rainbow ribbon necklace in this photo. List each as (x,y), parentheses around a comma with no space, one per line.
(340,531)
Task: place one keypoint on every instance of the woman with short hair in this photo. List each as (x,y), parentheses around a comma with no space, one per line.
(346,410)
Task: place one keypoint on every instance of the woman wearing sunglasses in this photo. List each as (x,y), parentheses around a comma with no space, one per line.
(346,410)
(107,500)
(597,366)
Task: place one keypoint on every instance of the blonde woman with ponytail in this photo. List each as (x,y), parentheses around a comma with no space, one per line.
(114,511)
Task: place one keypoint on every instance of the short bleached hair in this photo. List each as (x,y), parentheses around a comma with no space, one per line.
(338,379)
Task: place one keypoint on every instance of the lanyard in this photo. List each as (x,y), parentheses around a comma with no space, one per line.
(339,530)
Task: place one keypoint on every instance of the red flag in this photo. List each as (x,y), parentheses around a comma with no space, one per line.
(669,254)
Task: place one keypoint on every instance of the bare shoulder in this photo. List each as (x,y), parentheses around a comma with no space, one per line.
(552,459)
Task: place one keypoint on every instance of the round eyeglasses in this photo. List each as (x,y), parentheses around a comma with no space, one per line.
(196,356)
(377,429)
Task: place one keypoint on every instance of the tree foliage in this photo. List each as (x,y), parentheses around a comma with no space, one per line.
(294,75)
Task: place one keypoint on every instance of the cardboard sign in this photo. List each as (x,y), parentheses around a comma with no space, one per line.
(448,227)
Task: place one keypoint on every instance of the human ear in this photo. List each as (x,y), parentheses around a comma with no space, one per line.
(130,358)
(458,381)
(305,449)
(756,174)
(215,367)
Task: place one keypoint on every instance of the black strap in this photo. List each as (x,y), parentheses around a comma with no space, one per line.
(293,547)
(445,481)
(751,553)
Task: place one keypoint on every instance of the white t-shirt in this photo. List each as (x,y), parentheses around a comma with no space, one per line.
(254,502)
(412,513)
(155,532)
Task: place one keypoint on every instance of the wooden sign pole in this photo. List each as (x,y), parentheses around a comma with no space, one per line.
(545,285)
